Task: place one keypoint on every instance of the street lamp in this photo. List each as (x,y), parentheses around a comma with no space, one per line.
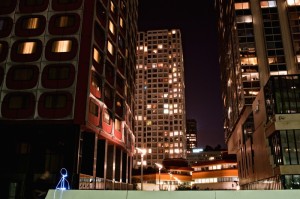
(142,152)
(159,168)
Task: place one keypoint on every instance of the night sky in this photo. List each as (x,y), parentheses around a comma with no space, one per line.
(202,76)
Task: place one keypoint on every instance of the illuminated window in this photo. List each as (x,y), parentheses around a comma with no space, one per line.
(62,46)
(64,21)
(97,55)
(110,48)
(293,2)
(112,7)
(27,48)
(117,124)
(121,22)
(267,4)
(244,19)
(111,27)
(31,23)
(241,6)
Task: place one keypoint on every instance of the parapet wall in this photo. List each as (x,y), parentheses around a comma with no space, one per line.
(114,194)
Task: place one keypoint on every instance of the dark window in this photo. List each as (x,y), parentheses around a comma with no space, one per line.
(93,108)
(55,104)
(58,76)
(22,77)
(3,50)
(31,6)
(62,5)
(18,105)
(6,24)
(7,6)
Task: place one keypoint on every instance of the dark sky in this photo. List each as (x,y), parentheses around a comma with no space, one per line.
(202,76)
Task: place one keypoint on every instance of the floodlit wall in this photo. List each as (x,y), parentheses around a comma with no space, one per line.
(244,194)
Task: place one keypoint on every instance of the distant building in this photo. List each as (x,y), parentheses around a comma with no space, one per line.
(219,173)
(191,135)
(200,155)
(260,58)
(160,97)
(67,83)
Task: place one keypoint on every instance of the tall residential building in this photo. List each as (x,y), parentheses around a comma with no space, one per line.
(259,59)
(191,135)
(67,83)
(160,97)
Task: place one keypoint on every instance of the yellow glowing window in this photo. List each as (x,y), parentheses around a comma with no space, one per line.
(121,22)
(117,125)
(112,7)
(241,6)
(64,21)
(97,55)
(32,23)
(110,48)
(111,27)
(27,48)
(62,46)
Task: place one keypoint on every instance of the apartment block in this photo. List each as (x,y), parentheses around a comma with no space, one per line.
(191,135)
(67,83)
(160,97)
(259,60)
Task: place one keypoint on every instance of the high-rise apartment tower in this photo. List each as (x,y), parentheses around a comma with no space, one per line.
(67,83)
(160,96)
(260,59)
(191,135)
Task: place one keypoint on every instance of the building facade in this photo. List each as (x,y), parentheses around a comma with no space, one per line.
(67,83)
(160,96)
(191,135)
(217,172)
(259,59)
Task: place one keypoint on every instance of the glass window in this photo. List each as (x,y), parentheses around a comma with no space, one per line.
(33,2)
(18,102)
(111,27)
(110,48)
(62,46)
(93,108)
(121,22)
(106,117)
(267,4)
(59,73)
(31,23)
(27,47)
(23,74)
(293,2)
(97,56)
(240,6)
(65,21)
(112,7)
(117,124)
(55,101)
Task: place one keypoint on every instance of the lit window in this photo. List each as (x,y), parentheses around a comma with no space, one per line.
(241,6)
(64,21)
(27,48)
(117,125)
(62,46)
(293,2)
(244,19)
(31,23)
(110,48)
(121,22)
(97,55)
(267,4)
(112,7)
(111,27)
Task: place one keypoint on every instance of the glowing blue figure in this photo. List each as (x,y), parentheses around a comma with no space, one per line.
(63,183)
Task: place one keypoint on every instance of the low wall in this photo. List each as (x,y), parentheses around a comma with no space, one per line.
(113,194)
